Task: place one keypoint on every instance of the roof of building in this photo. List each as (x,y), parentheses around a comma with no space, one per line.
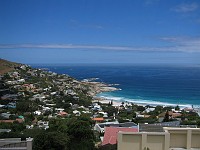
(150,128)
(173,114)
(158,127)
(7,121)
(97,119)
(62,113)
(5,130)
(125,124)
(169,124)
(110,136)
(11,121)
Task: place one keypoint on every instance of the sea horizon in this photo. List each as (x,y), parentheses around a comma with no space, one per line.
(150,84)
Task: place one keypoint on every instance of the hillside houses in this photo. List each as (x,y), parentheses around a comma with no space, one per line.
(43,97)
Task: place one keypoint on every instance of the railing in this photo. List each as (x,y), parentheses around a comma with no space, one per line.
(20,144)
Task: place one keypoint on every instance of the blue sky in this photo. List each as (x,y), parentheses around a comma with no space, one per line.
(100,31)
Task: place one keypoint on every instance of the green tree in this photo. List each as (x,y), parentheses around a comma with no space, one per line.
(108,147)
(81,135)
(110,110)
(50,141)
(177,108)
(166,118)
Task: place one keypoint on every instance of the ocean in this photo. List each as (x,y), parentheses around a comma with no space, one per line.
(143,84)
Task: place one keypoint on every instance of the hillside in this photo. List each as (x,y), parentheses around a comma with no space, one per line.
(6,66)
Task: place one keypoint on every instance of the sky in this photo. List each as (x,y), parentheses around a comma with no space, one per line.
(100,31)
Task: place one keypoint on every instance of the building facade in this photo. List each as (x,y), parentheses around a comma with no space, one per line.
(171,138)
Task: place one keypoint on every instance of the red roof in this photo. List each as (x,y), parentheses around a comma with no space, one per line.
(62,113)
(7,121)
(110,136)
(97,119)
(11,121)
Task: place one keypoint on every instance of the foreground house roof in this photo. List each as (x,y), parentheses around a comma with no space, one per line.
(110,136)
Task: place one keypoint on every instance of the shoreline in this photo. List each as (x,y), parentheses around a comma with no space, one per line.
(99,87)
(105,100)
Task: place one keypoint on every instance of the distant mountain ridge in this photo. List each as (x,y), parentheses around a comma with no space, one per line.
(6,66)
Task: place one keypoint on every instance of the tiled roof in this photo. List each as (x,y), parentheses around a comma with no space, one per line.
(62,113)
(173,114)
(97,119)
(7,121)
(11,121)
(110,136)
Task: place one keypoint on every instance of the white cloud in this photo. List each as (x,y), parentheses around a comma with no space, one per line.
(184,8)
(186,44)
(177,44)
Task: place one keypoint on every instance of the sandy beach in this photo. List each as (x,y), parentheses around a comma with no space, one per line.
(99,87)
(106,101)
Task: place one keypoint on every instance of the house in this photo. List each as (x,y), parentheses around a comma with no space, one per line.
(11,82)
(86,112)
(37,112)
(29,127)
(38,96)
(63,114)
(28,87)
(101,127)
(9,97)
(5,115)
(147,110)
(11,121)
(20,120)
(170,139)
(98,120)
(77,113)
(53,93)
(11,105)
(96,107)
(43,124)
(42,75)
(105,114)
(2,106)
(20,81)
(111,133)
(171,115)
(59,109)
(75,106)
(150,128)
(198,111)
(46,108)
(15,74)
(188,109)
(5,130)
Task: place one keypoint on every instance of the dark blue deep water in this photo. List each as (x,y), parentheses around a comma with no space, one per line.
(141,84)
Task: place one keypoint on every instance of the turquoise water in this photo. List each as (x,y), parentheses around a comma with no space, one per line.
(166,85)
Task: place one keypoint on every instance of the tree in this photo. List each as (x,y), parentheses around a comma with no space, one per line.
(177,108)
(108,147)
(110,110)
(166,118)
(80,132)
(51,141)
(26,106)
(140,108)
